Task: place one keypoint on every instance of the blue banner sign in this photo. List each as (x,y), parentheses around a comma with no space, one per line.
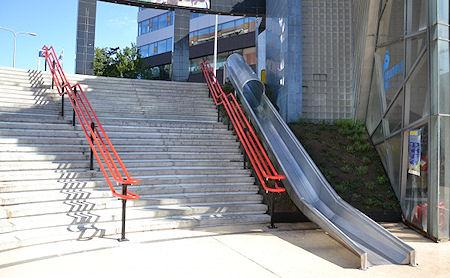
(389,73)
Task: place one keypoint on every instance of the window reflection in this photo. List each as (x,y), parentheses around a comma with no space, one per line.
(249,55)
(156,48)
(227,29)
(155,23)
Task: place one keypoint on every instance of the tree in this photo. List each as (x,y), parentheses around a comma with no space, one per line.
(114,62)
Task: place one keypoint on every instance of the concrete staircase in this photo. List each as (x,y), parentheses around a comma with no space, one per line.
(168,136)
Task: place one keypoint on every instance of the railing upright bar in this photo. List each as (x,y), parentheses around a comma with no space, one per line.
(91,127)
(253,149)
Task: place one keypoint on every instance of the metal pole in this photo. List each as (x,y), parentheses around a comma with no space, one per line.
(14,49)
(62,102)
(124,211)
(91,164)
(53,79)
(15,34)
(215,44)
(75,104)
(272,211)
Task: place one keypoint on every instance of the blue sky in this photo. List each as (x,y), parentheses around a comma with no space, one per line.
(55,23)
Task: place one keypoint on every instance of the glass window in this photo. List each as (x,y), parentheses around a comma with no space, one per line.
(374,107)
(414,46)
(162,21)
(444,181)
(391,23)
(417,92)
(393,156)
(392,63)
(417,15)
(155,24)
(144,51)
(169,45)
(443,11)
(162,46)
(415,203)
(378,135)
(153,49)
(395,114)
(444,77)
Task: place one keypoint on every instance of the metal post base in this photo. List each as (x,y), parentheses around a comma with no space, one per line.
(124,211)
(272,212)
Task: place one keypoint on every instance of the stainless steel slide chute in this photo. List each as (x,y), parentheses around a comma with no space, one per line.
(306,185)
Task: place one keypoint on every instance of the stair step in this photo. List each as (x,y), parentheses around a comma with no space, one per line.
(167,134)
(84,164)
(141,173)
(87,231)
(14,198)
(124,156)
(109,215)
(40,185)
(87,203)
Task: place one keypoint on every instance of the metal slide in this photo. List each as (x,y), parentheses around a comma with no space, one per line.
(307,186)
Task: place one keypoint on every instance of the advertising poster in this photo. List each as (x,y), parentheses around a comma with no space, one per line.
(415,150)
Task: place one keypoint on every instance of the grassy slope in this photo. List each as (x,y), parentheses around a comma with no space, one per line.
(350,163)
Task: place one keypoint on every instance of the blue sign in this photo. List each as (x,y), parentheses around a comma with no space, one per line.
(389,73)
(41,54)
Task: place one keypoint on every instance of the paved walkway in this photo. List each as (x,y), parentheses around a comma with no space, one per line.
(298,250)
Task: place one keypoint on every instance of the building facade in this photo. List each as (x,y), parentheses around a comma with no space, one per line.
(407,105)
(155,40)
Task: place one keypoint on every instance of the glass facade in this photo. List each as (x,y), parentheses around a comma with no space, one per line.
(408,113)
(155,23)
(226,29)
(249,55)
(156,48)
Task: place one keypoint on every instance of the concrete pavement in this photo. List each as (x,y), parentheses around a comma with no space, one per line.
(294,250)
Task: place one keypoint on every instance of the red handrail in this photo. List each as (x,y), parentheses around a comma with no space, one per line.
(262,165)
(103,150)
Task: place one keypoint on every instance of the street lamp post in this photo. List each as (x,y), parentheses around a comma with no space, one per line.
(15,34)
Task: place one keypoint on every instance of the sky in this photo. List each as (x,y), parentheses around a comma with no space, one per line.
(55,23)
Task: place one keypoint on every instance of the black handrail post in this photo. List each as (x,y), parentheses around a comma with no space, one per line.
(218,113)
(45,64)
(53,79)
(75,104)
(91,164)
(62,102)
(124,211)
(272,211)
(245,160)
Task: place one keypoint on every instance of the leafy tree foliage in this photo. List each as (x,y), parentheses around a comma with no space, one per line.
(116,62)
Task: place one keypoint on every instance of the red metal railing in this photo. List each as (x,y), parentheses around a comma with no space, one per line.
(265,171)
(109,161)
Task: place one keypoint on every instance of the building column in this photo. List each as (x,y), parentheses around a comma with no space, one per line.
(439,159)
(180,55)
(85,49)
(284,56)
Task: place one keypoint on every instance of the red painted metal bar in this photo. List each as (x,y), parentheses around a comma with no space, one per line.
(261,164)
(109,161)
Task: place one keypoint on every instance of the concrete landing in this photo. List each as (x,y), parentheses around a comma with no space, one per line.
(294,250)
